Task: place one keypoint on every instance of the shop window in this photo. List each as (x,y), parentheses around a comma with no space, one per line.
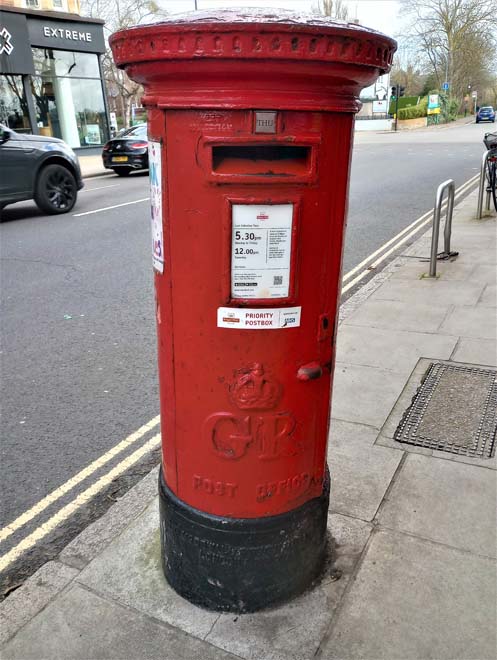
(65,63)
(68,97)
(71,109)
(13,105)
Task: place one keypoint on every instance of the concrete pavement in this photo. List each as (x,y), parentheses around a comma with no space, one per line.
(414,527)
(92,166)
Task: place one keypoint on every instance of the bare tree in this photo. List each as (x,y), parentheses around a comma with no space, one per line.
(333,8)
(456,38)
(122,92)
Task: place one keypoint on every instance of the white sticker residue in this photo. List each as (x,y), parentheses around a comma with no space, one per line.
(261,247)
(155,175)
(258,319)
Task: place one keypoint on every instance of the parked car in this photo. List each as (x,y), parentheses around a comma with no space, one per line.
(128,151)
(486,113)
(37,167)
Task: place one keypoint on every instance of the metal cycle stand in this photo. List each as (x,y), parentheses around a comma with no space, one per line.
(483,178)
(446,254)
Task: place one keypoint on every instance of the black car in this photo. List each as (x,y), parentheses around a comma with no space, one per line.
(128,151)
(35,167)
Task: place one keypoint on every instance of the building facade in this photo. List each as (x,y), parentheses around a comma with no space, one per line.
(50,73)
(68,6)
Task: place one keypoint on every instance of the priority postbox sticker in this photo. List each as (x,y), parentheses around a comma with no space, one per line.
(258,319)
(155,176)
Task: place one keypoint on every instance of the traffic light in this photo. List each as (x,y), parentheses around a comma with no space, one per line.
(397,90)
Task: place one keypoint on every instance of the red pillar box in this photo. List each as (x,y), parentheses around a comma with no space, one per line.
(250,129)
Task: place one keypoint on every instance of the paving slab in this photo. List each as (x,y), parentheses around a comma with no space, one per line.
(476,351)
(342,432)
(35,594)
(476,322)
(486,255)
(364,395)
(396,315)
(129,571)
(92,540)
(483,255)
(489,296)
(294,630)
(360,476)
(445,501)
(81,625)
(414,599)
(484,273)
(390,349)
(468,237)
(413,269)
(433,291)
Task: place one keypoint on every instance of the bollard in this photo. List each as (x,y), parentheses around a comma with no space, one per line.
(250,123)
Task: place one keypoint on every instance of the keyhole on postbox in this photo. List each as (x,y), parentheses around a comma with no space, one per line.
(324,328)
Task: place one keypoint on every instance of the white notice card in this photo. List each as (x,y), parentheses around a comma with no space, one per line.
(261,246)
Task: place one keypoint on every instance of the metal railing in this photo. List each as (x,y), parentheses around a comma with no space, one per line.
(446,254)
(483,179)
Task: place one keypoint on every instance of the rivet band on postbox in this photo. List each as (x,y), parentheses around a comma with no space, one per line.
(250,122)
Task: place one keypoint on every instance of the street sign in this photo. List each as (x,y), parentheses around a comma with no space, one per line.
(445,86)
(433,104)
(380,107)
(474,95)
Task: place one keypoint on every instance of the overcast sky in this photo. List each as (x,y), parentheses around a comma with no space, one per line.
(382,15)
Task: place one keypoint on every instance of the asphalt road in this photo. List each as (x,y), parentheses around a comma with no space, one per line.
(79,351)
(395,176)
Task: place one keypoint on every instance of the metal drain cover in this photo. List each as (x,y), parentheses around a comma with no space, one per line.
(454,410)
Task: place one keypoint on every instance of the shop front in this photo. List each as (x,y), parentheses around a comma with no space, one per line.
(51,76)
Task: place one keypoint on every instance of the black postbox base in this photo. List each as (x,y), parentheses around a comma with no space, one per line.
(241,564)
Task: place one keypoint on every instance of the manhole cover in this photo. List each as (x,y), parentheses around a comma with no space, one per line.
(454,410)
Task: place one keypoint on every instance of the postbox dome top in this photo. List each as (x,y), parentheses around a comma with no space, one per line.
(223,38)
(260,15)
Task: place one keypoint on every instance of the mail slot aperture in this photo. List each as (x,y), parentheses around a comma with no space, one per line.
(268,160)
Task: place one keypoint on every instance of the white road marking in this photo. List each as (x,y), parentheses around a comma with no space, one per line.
(104,175)
(397,241)
(108,208)
(83,498)
(90,469)
(99,188)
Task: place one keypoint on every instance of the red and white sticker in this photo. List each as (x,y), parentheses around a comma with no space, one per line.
(258,319)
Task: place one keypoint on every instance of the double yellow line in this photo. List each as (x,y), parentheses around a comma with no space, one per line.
(29,541)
